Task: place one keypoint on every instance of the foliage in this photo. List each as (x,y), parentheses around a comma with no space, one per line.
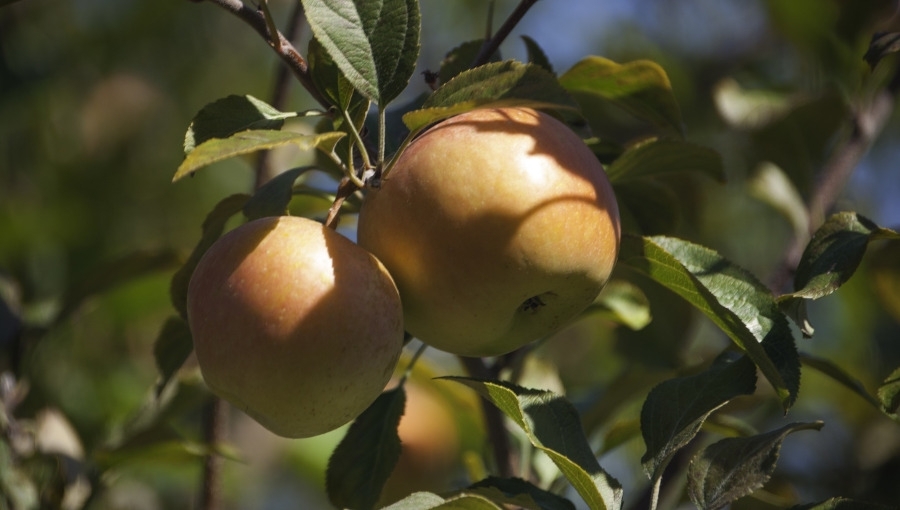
(684,369)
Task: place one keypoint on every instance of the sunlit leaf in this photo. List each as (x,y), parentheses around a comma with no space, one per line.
(729,296)
(364,459)
(417,501)
(553,426)
(749,108)
(230,115)
(625,303)
(246,142)
(889,395)
(212,229)
(641,88)
(374,43)
(507,83)
(273,198)
(113,273)
(675,409)
(657,157)
(172,347)
(429,501)
(734,467)
(519,493)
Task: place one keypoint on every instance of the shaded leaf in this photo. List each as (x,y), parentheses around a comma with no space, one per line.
(656,157)
(882,45)
(507,83)
(889,395)
(273,198)
(460,59)
(641,88)
(520,493)
(729,296)
(841,504)
(172,347)
(734,467)
(212,229)
(536,54)
(230,115)
(829,260)
(884,271)
(837,374)
(365,457)
(675,409)
(114,273)
(553,426)
(374,43)
(330,81)
(246,142)
(647,207)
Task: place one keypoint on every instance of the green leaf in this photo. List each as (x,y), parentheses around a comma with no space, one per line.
(364,459)
(841,504)
(829,260)
(330,81)
(647,207)
(624,303)
(375,43)
(729,296)
(839,375)
(655,157)
(114,273)
(507,83)
(17,488)
(553,426)
(536,54)
(882,45)
(230,115)
(460,59)
(212,229)
(675,409)
(889,395)
(429,501)
(519,493)
(273,198)
(641,88)
(734,467)
(172,347)
(245,142)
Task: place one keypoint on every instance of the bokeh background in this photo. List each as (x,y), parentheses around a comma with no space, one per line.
(95,98)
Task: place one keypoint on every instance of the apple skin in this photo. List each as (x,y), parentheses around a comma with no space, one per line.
(499,227)
(294,324)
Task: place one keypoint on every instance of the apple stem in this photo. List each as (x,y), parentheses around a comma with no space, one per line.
(213,418)
(412,363)
(345,189)
(491,45)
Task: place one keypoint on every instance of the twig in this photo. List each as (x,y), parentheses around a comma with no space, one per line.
(866,124)
(214,413)
(490,46)
(496,430)
(345,189)
(280,91)
(282,46)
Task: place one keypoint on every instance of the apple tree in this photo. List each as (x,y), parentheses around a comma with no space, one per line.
(644,277)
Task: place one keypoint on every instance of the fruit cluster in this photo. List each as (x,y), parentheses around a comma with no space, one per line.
(494,228)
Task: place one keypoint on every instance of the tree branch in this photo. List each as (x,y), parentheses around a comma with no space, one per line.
(280,90)
(866,125)
(491,45)
(282,46)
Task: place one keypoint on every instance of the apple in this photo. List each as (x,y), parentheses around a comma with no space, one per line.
(499,227)
(294,324)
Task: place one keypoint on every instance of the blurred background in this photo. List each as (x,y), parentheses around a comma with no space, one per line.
(95,98)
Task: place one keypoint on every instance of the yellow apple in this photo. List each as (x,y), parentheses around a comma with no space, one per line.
(294,324)
(499,226)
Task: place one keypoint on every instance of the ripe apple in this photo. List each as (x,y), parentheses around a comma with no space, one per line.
(499,226)
(294,324)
